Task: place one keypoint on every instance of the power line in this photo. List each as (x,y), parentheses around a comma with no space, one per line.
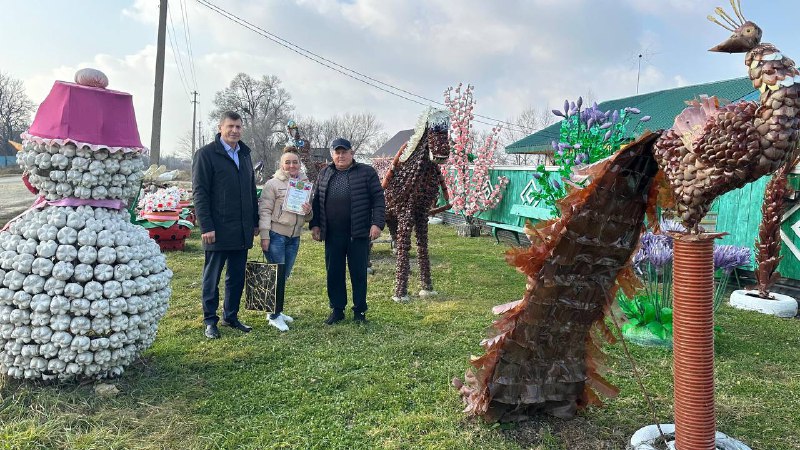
(343,69)
(176,55)
(188,38)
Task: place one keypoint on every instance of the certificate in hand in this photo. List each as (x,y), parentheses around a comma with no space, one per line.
(298,193)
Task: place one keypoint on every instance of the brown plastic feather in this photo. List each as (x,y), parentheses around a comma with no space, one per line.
(543,353)
(768,244)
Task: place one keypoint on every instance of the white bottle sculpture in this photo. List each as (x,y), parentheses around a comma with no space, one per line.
(81,288)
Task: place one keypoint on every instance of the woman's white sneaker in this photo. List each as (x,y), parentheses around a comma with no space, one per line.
(279,323)
(287,319)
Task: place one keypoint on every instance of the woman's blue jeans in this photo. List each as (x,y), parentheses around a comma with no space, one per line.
(282,250)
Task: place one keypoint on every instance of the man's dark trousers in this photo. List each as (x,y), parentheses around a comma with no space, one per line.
(339,247)
(234,284)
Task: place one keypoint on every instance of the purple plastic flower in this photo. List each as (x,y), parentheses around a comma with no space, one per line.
(729,257)
(645,119)
(554,144)
(580,101)
(655,250)
(660,254)
(606,125)
(558,113)
(632,110)
(590,122)
(608,135)
(537,175)
(594,114)
(615,116)
(555,183)
(671,225)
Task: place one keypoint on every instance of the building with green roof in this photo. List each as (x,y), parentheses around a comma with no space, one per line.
(737,212)
(661,106)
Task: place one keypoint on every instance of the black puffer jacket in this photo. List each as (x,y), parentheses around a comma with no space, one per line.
(367,203)
(225,197)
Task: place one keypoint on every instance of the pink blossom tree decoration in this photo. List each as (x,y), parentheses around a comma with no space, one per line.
(471,191)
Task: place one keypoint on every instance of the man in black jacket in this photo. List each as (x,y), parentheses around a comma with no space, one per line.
(349,210)
(226,206)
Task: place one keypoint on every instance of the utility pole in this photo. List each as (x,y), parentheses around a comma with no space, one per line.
(194,120)
(199,133)
(158,96)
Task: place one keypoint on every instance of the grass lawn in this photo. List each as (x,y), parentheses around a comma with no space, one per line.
(385,384)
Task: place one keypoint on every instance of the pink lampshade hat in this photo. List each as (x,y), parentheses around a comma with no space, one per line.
(85,113)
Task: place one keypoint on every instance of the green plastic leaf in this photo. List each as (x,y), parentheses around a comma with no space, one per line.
(148,224)
(626,307)
(657,329)
(666,315)
(668,327)
(633,321)
(649,312)
(186,223)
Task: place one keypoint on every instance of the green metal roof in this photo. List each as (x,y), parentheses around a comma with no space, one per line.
(662,106)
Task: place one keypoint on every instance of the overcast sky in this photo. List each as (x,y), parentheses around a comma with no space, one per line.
(518,53)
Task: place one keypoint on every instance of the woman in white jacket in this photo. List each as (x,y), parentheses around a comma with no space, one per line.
(280,229)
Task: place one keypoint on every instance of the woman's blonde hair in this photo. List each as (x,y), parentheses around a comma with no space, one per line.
(289,151)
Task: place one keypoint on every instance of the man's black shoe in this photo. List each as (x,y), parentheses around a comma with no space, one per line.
(360,317)
(335,317)
(212,332)
(237,325)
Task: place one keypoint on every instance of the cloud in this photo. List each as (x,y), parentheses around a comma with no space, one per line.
(518,54)
(144,11)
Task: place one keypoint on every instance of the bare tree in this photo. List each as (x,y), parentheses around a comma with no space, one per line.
(183,148)
(265,108)
(15,111)
(363,130)
(318,133)
(526,123)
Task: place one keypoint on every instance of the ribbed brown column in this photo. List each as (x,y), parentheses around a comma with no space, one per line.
(693,342)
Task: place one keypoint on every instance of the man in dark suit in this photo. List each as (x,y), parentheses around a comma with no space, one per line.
(226,206)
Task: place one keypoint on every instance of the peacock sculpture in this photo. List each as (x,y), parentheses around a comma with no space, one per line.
(714,148)
(541,355)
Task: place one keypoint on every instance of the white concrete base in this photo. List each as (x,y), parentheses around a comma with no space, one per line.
(779,305)
(424,293)
(644,438)
(403,299)
(434,220)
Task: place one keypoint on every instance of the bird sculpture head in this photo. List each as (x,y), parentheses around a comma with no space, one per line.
(746,34)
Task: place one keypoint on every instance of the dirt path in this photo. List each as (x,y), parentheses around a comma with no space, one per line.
(14,197)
